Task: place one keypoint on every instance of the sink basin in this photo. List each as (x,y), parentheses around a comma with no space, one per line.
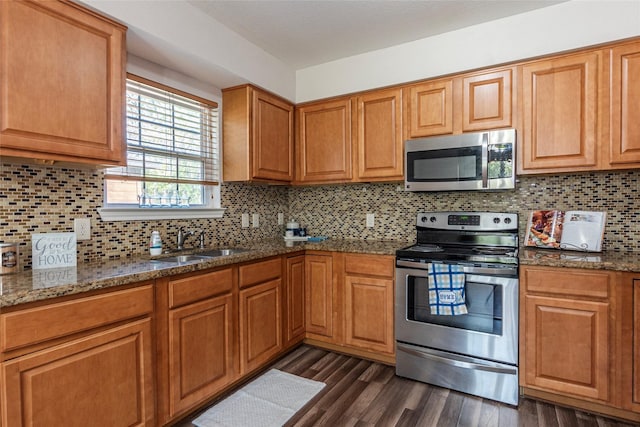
(223,252)
(181,259)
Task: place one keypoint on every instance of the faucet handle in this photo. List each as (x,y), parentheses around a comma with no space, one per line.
(201,238)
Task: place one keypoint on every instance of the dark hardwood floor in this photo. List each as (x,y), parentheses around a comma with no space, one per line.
(362,393)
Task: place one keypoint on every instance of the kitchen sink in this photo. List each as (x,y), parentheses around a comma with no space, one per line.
(223,252)
(181,259)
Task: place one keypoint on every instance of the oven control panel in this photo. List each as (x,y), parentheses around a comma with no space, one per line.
(481,221)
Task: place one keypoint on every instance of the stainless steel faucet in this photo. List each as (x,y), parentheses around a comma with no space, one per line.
(182,236)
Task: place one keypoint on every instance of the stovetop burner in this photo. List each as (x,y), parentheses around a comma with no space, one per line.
(465,237)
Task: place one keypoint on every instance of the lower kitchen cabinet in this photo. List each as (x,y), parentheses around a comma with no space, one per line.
(293,301)
(197,344)
(80,362)
(201,353)
(260,313)
(369,302)
(567,336)
(630,336)
(319,296)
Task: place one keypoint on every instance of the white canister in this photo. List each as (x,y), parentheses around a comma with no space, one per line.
(9,258)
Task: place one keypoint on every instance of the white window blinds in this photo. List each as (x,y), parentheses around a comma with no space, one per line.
(171,136)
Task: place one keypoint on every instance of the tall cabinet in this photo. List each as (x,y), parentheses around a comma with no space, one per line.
(62,83)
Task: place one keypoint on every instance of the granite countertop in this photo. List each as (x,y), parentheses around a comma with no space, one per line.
(38,285)
(615,261)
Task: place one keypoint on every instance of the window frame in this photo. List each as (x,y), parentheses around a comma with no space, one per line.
(210,209)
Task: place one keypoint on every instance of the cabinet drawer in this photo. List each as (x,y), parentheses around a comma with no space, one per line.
(200,286)
(260,272)
(567,281)
(35,325)
(369,265)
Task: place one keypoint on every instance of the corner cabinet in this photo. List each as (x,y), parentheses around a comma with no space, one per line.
(79,362)
(62,83)
(324,145)
(567,338)
(293,300)
(319,296)
(257,136)
(562,113)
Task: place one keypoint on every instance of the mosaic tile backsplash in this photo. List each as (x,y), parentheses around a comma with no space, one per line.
(41,199)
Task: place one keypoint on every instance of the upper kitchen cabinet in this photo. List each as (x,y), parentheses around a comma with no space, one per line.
(429,108)
(561,113)
(487,100)
(379,136)
(62,83)
(257,136)
(324,141)
(464,103)
(625,105)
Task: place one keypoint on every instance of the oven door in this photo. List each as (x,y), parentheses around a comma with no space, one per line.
(489,330)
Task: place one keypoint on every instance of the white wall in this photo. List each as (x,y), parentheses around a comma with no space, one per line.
(552,29)
(178,36)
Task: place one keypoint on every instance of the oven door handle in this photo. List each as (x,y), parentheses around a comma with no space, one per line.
(455,362)
(510,271)
(485,160)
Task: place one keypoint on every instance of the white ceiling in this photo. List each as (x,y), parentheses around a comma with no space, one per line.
(303,33)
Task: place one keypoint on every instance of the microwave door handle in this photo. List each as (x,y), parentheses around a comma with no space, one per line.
(485,160)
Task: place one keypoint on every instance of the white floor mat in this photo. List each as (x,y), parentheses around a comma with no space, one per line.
(268,401)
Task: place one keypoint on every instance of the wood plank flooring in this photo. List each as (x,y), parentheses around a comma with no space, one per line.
(361,393)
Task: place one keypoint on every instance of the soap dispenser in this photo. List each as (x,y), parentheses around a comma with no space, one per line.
(155,243)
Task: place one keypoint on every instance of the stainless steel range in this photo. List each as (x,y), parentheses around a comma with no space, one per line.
(476,352)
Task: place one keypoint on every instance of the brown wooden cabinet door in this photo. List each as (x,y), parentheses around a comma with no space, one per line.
(560,107)
(567,346)
(635,342)
(62,83)
(272,138)
(486,100)
(625,105)
(260,324)
(379,135)
(430,108)
(324,141)
(200,351)
(369,313)
(294,309)
(319,295)
(104,379)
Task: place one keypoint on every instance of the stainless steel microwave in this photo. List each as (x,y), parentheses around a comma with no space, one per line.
(470,161)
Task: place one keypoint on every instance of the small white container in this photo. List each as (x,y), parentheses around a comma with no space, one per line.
(155,244)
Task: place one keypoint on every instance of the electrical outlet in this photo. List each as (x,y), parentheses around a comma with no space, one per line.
(82,227)
(280,218)
(370,220)
(256,220)
(245,220)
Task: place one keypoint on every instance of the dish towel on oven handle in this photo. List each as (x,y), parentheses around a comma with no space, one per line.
(446,289)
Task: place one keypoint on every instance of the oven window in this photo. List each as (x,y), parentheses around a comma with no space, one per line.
(459,164)
(484,306)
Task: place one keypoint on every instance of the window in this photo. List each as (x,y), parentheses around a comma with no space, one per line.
(173,159)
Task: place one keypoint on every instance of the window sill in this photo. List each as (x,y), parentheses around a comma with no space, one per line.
(142,214)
